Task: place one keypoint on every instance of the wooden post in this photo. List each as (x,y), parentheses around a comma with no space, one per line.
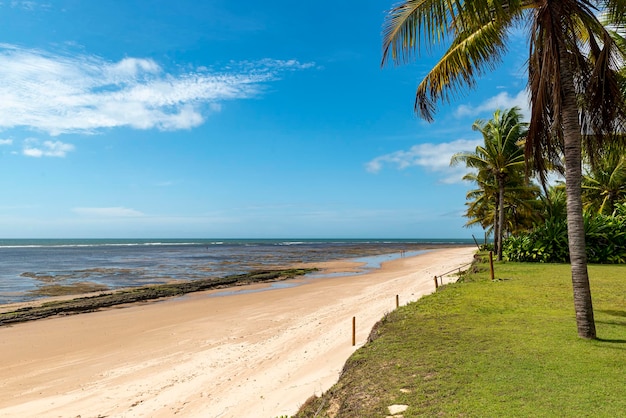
(493,276)
(353,331)
(436,283)
(397,301)
(476,242)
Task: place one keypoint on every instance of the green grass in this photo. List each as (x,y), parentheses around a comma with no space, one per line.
(507,348)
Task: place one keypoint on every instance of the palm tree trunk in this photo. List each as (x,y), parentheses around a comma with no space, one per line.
(500,216)
(495,226)
(575,225)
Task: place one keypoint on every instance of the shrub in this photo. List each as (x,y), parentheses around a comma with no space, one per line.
(605,238)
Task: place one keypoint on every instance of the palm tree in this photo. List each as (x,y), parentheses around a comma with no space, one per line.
(604,183)
(500,158)
(520,204)
(572,81)
(481,203)
(554,202)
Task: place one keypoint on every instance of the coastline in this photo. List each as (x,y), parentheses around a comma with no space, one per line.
(95,301)
(37,269)
(246,354)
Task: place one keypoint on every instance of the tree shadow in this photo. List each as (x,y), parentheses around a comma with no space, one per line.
(621,314)
(616,314)
(612,341)
(616,320)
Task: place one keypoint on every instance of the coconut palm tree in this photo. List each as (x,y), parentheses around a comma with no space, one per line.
(572,81)
(500,158)
(481,203)
(521,207)
(604,183)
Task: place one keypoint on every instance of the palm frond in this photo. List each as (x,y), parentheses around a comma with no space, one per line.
(472,52)
(408,22)
(604,109)
(594,56)
(616,11)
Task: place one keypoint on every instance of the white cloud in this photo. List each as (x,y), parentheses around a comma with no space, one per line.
(26,5)
(111,212)
(270,63)
(433,157)
(6,141)
(46,149)
(131,67)
(500,101)
(61,94)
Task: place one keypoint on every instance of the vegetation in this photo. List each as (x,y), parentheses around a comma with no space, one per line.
(605,236)
(604,183)
(573,81)
(500,168)
(481,348)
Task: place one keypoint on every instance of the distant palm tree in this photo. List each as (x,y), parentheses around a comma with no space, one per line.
(521,206)
(500,158)
(554,202)
(481,202)
(572,82)
(604,183)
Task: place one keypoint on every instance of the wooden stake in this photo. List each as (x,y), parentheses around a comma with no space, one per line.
(353,331)
(397,301)
(436,283)
(476,242)
(493,276)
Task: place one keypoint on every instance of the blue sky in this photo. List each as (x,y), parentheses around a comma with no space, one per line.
(221,119)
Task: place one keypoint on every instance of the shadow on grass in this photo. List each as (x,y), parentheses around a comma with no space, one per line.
(615,321)
(610,340)
(621,314)
(613,313)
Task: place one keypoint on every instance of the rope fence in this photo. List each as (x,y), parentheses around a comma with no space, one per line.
(439,278)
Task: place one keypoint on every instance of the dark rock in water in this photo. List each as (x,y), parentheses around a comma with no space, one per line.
(145,293)
(69,289)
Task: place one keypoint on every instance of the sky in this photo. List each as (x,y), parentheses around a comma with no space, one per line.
(222,119)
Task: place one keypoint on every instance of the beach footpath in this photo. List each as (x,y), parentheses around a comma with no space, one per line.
(249,353)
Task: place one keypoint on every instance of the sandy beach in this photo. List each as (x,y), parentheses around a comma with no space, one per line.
(250,353)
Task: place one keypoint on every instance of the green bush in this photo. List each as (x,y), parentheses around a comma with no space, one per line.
(546,243)
(605,238)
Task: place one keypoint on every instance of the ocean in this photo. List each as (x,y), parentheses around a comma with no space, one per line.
(29,266)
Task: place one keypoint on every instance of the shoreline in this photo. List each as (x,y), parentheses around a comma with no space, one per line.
(84,302)
(96,301)
(37,272)
(259,354)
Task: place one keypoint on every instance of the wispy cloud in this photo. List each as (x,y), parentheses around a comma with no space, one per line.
(17,207)
(6,142)
(26,5)
(61,94)
(432,157)
(110,212)
(32,148)
(501,101)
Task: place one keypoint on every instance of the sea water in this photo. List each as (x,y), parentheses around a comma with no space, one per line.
(28,265)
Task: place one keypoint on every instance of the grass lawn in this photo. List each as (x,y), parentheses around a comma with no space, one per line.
(478,348)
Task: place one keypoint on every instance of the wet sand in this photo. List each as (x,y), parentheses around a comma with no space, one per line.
(250,354)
